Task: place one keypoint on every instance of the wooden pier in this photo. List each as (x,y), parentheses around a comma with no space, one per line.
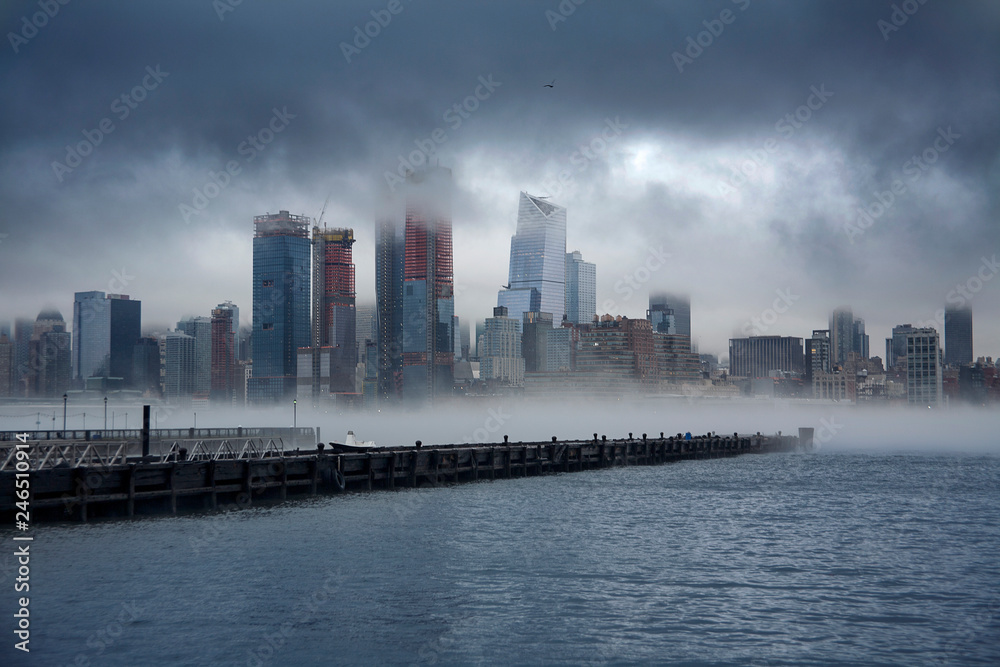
(83,484)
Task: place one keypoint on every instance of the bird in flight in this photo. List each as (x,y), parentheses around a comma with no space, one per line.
(550,85)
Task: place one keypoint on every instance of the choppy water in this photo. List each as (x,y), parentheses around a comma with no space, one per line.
(830,558)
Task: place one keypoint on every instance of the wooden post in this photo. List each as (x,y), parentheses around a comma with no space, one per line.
(248,481)
(284,480)
(314,474)
(371,472)
(131,490)
(173,488)
(211,482)
(390,482)
(413,469)
(507,462)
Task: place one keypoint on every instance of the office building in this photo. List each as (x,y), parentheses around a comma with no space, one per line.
(179,366)
(280,304)
(200,328)
(766,357)
(225,318)
(8,368)
(534,340)
(537,276)
(923,367)
(49,367)
(581,289)
(663,304)
(500,360)
(958,336)
(389,256)
(895,347)
(818,354)
(105,331)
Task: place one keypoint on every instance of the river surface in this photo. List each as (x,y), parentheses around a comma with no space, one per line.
(788,559)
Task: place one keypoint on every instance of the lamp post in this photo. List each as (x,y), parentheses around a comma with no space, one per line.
(65,398)
(196,420)
(105,413)
(126,420)
(295,411)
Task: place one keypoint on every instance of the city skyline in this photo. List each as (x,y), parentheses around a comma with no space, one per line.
(798,183)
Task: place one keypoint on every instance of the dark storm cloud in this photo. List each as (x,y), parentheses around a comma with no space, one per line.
(891,92)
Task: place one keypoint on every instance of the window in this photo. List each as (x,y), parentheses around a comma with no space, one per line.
(267,326)
(268,283)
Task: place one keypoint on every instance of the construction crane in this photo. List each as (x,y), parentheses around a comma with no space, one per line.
(319,221)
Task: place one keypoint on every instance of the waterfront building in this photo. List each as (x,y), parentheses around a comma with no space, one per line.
(500,360)
(179,366)
(200,329)
(49,365)
(225,318)
(105,329)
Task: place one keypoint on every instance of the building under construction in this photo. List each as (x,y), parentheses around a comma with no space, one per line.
(328,366)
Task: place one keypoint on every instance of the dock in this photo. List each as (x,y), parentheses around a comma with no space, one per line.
(73,479)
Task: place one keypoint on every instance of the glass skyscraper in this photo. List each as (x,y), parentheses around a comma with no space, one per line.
(106,328)
(537,278)
(281,249)
(581,289)
(958,335)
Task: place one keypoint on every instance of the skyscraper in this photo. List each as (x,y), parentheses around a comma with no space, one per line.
(146,366)
(537,277)
(841,335)
(389,255)
(581,289)
(958,335)
(223,375)
(280,304)
(428,284)
(49,369)
(105,330)
(178,365)
(818,354)
(895,347)
(8,367)
(200,328)
(680,304)
(923,367)
(334,315)
(859,339)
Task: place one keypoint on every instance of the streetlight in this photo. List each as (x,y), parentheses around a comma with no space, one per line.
(196,420)
(126,420)
(84,421)
(65,398)
(105,413)
(112,421)
(295,413)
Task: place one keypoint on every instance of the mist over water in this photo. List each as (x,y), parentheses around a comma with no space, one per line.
(488,419)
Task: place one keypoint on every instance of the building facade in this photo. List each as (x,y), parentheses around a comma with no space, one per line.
(280,304)
(958,336)
(766,356)
(581,289)
(923,367)
(537,277)
(500,360)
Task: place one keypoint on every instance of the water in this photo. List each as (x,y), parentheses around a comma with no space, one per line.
(829,558)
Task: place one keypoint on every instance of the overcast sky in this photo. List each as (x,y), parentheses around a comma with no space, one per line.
(823,105)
